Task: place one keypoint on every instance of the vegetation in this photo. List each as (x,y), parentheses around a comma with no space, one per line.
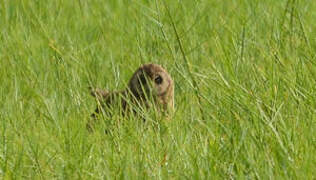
(245,89)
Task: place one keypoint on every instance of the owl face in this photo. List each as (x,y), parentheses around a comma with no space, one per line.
(161,82)
(151,79)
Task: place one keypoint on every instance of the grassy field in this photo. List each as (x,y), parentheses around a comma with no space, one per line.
(245,89)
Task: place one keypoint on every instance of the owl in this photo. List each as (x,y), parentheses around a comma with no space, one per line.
(150,87)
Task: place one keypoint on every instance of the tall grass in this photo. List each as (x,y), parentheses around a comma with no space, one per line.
(245,89)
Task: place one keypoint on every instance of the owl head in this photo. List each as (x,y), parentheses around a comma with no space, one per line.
(152,80)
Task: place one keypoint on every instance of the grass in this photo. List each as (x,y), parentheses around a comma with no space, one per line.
(245,89)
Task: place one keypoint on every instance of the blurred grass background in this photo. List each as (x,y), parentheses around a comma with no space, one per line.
(245,88)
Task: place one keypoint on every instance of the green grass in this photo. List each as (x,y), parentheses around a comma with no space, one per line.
(245,89)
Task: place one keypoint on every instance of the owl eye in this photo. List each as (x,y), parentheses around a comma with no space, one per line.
(158,80)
